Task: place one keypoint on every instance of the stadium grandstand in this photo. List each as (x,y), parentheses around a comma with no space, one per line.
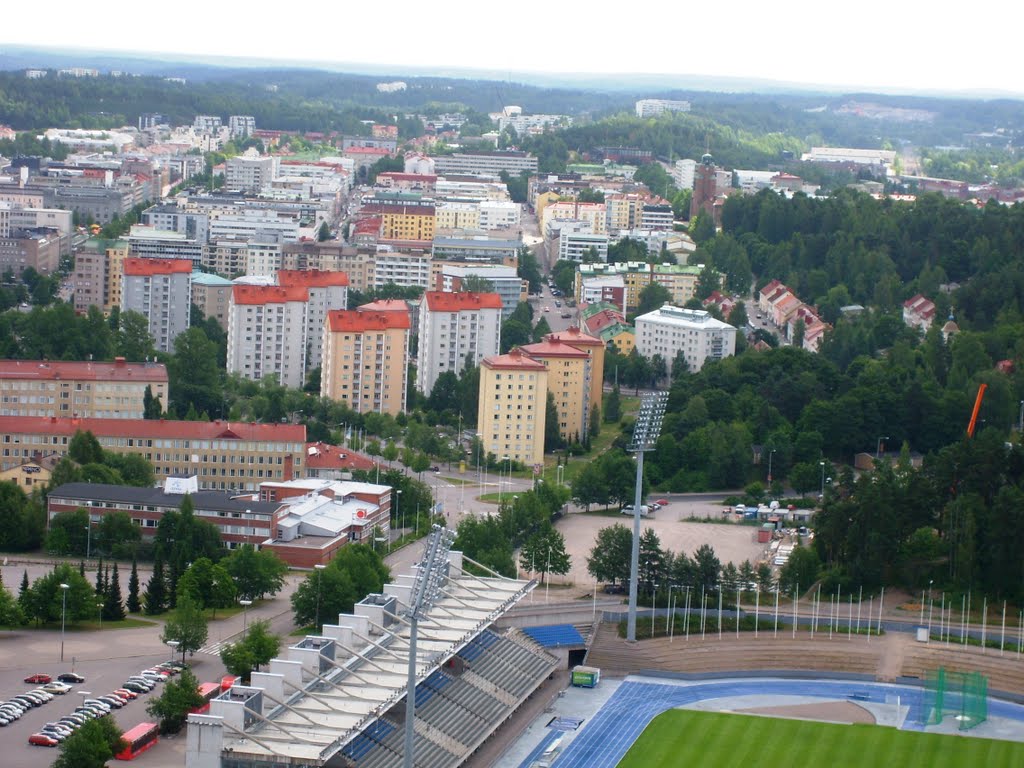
(339,699)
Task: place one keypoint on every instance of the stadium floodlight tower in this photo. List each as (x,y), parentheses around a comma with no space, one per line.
(431,575)
(645,435)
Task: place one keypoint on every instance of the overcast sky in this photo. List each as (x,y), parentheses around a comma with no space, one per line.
(890,44)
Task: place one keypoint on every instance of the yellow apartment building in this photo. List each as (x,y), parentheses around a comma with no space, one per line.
(513,405)
(569,382)
(595,348)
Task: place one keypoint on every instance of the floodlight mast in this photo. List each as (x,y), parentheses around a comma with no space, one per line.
(645,434)
(430,576)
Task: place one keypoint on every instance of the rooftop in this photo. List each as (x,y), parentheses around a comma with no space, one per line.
(119,370)
(151,267)
(360,320)
(443,301)
(310,278)
(155,428)
(268,294)
(514,360)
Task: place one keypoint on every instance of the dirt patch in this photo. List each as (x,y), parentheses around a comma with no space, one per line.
(826,711)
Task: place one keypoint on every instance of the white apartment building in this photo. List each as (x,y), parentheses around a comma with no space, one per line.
(146,242)
(652,107)
(249,172)
(263,257)
(575,239)
(445,189)
(452,326)
(504,280)
(267,333)
(207,123)
(683,172)
(483,164)
(406,269)
(568,210)
(248,223)
(696,333)
(499,214)
(241,126)
(327,291)
(160,289)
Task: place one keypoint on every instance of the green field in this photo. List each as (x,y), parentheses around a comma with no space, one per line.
(714,740)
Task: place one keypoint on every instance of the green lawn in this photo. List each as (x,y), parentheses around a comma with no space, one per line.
(714,740)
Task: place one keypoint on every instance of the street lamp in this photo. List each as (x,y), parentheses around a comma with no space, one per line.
(930,582)
(99,609)
(63,614)
(1020,420)
(319,567)
(878,446)
(245,616)
(822,464)
(501,476)
(88,535)
(771,454)
(398,496)
(172,644)
(560,472)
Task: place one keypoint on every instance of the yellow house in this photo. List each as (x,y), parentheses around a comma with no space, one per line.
(513,406)
(34,473)
(407,222)
(365,356)
(595,348)
(569,382)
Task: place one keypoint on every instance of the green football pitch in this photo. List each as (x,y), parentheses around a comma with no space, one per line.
(716,740)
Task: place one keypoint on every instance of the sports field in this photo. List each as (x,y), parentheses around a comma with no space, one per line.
(713,740)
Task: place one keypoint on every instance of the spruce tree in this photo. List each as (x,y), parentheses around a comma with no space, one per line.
(133,604)
(113,610)
(155,598)
(100,586)
(23,593)
(81,568)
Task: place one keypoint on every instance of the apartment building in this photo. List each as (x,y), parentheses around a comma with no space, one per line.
(410,268)
(473,247)
(652,107)
(222,455)
(484,163)
(263,256)
(358,264)
(84,389)
(500,214)
(241,126)
(400,221)
(249,172)
(267,333)
(595,348)
(596,214)
(504,281)
(679,280)
(453,326)
(576,239)
(513,406)
(148,243)
(452,215)
(694,332)
(160,289)
(568,381)
(38,249)
(212,294)
(365,357)
(327,291)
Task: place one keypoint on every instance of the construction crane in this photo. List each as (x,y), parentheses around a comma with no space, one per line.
(977,407)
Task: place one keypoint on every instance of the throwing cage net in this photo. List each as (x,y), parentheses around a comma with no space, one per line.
(964,695)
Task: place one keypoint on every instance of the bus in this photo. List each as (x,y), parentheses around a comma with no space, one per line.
(209,692)
(138,739)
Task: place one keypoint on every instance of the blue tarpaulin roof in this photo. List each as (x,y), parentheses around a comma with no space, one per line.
(555,635)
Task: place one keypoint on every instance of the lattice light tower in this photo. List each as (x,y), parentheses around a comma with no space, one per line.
(645,435)
(431,575)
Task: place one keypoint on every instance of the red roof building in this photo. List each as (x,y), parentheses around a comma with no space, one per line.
(310,278)
(443,301)
(140,267)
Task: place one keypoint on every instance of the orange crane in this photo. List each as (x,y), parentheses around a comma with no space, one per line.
(977,407)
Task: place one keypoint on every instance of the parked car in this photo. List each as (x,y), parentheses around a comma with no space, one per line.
(38,678)
(614,589)
(661,502)
(125,694)
(57,687)
(136,687)
(42,740)
(70,677)
(40,693)
(566,315)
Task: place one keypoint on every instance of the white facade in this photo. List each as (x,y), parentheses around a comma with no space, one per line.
(166,299)
(249,172)
(451,328)
(258,222)
(484,164)
(576,239)
(651,107)
(504,280)
(408,269)
(696,333)
(495,214)
(268,338)
(241,126)
(683,172)
(451,215)
(262,257)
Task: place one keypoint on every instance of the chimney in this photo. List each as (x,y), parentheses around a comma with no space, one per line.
(119,362)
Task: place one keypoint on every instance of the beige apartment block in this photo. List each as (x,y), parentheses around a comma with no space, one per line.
(512,407)
(569,382)
(365,357)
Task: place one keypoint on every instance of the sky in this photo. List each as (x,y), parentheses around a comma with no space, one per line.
(881,44)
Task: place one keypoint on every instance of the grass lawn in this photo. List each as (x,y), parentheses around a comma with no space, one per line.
(714,740)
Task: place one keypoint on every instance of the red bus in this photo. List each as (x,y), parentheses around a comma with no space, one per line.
(209,692)
(139,739)
(227,681)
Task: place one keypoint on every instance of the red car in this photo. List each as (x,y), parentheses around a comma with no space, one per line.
(42,740)
(38,679)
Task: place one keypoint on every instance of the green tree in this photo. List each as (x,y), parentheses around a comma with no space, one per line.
(545,552)
(256,573)
(178,697)
(151,408)
(155,597)
(187,626)
(84,448)
(613,406)
(324,233)
(45,600)
(113,609)
(609,559)
(256,649)
(801,569)
(133,605)
(653,296)
(552,430)
(91,746)
(708,568)
(476,284)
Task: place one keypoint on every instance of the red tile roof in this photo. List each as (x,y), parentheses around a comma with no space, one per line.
(515,360)
(370,226)
(574,336)
(553,349)
(408,176)
(310,278)
(386,305)
(154,428)
(268,294)
(358,320)
(325,456)
(119,370)
(150,267)
(444,301)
